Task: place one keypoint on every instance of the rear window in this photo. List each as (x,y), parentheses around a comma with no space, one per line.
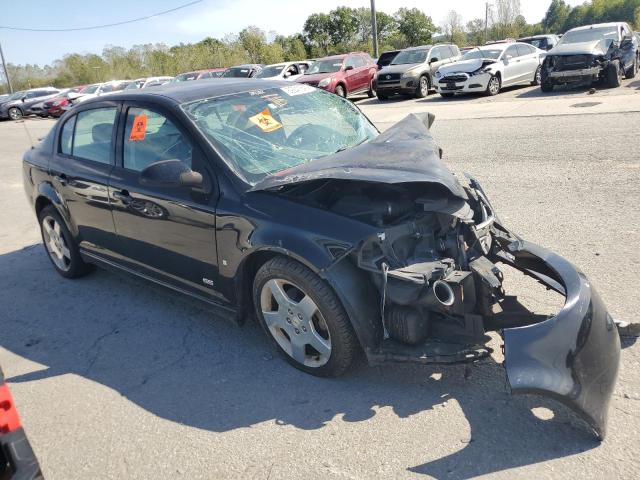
(92,134)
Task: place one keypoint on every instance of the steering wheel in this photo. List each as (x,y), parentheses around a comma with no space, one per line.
(312,137)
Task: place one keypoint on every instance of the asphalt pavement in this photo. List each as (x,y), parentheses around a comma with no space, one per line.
(117,378)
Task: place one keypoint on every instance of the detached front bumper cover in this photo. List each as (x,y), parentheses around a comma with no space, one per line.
(573,356)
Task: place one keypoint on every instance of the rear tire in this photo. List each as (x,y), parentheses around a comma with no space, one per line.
(60,245)
(613,74)
(371,93)
(537,78)
(320,343)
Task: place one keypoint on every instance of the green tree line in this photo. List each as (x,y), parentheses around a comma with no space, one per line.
(341,30)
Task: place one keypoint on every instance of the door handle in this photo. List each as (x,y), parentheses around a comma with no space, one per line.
(62,179)
(123,196)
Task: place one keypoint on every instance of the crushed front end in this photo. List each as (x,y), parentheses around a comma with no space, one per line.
(441,289)
(427,284)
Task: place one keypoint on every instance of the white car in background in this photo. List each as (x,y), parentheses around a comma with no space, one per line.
(284,71)
(98,90)
(489,68)
(146,82)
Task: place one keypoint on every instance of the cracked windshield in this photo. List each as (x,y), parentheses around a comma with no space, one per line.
(267,131)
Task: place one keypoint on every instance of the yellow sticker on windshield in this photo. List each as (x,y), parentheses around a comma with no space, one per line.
(265,121)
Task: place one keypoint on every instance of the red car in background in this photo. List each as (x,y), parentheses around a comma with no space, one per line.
(54,106)
(345,75)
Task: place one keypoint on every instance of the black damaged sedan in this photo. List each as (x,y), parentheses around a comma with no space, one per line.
(284,202)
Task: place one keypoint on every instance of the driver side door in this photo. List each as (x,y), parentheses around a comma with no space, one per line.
(165,233)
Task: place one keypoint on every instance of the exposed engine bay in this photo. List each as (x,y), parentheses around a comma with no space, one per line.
(429,259)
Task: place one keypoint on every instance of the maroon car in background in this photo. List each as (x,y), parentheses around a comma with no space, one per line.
(54,107)
(344,75)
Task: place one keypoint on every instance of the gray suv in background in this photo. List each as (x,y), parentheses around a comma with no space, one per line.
(411,72)
(20,107)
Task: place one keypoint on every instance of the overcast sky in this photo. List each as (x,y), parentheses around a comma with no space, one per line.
(210,18)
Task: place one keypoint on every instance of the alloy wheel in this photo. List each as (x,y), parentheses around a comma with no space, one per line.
(424,86)
(55,243)
(494,85)
(538,76)
(295,322)
(15,114)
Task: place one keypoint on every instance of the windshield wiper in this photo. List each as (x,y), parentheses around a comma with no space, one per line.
(344,147)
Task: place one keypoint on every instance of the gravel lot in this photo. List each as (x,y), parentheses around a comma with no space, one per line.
(116,378)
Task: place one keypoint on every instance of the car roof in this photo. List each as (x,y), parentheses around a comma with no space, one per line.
(599,25)
(531,37)
(420,47)
(183,92)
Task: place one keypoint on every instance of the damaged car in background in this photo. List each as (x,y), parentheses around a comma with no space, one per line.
(603,53)
(283,202)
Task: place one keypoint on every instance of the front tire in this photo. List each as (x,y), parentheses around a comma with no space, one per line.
(447,95)
(423,87)
(614,74)
(304,318)
(494,85)
(341,92)
(15,113)
(382,97)
(60,245)
(633,70)
(546,87)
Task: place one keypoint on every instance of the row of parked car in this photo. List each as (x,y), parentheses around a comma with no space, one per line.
(602,53)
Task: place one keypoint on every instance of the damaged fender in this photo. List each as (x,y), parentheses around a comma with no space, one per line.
(573,356)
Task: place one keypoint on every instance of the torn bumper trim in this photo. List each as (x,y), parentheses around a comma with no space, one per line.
(573,356)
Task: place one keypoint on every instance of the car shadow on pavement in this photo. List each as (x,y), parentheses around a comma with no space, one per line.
(172,357)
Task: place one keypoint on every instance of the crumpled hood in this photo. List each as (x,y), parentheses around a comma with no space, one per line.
(405,67)
(466,66)
(405,153)
(595,47)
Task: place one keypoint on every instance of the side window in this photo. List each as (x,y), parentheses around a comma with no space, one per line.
(150,137)
(512,52)
(93,132)
(66,136)
(454,50)
(360,61)
(303,67)
(524,50)
(351,60)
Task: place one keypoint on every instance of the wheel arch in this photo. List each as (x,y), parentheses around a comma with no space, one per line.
(47,195)
(352,286)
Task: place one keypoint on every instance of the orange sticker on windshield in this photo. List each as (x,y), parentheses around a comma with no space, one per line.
(265,121)
(138,129)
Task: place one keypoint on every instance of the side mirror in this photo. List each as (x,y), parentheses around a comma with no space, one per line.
(23,98)
(287,74)
(73,95)
(434,60)
(348,67)
(170,174)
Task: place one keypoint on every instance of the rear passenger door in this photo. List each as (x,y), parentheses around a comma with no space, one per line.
(80,168)
(166,233)
(512,67)
(529,60)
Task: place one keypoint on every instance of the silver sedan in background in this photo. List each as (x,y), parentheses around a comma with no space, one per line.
(489,68)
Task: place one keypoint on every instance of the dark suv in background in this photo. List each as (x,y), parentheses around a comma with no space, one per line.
(344,75)
(411,71)
(20,107)
(543,42)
